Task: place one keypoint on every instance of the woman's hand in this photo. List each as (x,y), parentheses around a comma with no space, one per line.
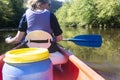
(7,40)
(58,38)
(17,39)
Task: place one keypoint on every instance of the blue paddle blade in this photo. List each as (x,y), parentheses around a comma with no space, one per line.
(87,40)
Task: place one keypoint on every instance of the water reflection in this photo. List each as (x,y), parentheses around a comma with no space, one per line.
(105,60)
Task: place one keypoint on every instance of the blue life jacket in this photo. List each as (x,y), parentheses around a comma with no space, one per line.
(38,20)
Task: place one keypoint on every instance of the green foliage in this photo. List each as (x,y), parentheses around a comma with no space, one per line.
(90,12)
(10,12)
(5,13)
(108,12)
(76,11)
(62,13)
(18,10)
(107,8)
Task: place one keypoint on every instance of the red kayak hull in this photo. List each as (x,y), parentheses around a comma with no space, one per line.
(74,69)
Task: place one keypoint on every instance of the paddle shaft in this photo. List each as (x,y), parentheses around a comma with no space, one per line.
(80,40)
(84,40)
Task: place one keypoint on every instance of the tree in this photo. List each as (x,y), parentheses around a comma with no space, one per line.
(5,13)
(18,10)
(90,12)
(10,12)
(108,12)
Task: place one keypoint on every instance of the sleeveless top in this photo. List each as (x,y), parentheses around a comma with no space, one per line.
(38,20)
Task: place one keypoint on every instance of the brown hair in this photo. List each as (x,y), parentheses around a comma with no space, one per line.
(35,4)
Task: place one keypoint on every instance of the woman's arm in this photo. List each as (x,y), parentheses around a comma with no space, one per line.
(17,39)
(59,38)
(21,32)
(55,27)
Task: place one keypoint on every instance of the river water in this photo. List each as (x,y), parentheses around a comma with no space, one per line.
(105,60)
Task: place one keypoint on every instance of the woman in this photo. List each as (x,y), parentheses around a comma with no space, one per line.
(38,17)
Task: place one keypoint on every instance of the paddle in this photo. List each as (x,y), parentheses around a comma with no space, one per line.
(92,40)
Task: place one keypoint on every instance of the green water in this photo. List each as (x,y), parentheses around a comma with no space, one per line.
(104,60)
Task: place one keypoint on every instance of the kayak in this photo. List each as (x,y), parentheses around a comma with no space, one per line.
(74,69)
